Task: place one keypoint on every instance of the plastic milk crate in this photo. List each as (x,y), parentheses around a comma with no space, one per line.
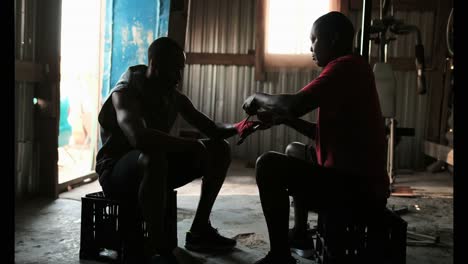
(101,226)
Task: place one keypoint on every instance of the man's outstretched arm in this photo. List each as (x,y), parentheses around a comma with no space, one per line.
(207,126)
(302,126)
(287,105)
(134,128)
(288,108)
(325,89)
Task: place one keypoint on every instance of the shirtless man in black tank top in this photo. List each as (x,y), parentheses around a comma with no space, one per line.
(141,162)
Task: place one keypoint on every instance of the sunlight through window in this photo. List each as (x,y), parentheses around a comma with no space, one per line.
(289,23)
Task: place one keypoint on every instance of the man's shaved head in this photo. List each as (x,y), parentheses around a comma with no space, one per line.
(166,60)
(336,25)
(331,37)
(163,49)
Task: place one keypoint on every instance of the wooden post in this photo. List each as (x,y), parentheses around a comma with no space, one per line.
(436,86)
(178,16)
(48,93)
(260,41)
(178,21)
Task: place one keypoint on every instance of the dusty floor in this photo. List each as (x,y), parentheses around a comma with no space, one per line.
(49,231)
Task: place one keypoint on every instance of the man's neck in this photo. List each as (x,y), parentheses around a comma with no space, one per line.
(154,87)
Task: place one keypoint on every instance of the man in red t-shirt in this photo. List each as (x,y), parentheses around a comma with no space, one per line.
(349,139)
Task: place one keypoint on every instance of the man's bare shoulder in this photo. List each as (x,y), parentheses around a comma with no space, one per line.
(180,96)
(184,104)
(124,98)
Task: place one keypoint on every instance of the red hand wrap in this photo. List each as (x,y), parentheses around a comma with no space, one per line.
(243,126)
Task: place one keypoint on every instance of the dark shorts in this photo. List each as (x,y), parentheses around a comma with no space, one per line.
(319,187)
(122,180)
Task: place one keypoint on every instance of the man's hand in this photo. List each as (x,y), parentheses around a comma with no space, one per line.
(270,119)
(246,127)
(250,105)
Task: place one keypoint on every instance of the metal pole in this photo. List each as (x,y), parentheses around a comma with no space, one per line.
(382,36)
(366,19)
(391,154)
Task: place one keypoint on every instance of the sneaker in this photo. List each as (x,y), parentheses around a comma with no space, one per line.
(303,246)
(208,240)
(272,259)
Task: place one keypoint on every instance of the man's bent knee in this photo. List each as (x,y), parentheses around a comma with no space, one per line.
(296,150)
(266,165)
(146,161)
(219,149)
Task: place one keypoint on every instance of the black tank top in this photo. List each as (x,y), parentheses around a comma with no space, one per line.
(159,113)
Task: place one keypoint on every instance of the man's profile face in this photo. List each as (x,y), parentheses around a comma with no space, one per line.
(321,47)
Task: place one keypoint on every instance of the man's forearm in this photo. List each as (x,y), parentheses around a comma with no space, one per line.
(304,127)
(210,128)
(151,139)
(223,131)
(278,104)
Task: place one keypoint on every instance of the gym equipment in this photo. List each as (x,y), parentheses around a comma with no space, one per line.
(382,31)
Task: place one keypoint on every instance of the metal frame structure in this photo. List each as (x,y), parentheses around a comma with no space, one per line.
(382,31)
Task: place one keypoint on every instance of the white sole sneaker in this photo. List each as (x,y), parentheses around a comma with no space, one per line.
(304,253)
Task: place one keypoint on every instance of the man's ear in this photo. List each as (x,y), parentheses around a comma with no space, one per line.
(154,66)
(152,62)
(335,39)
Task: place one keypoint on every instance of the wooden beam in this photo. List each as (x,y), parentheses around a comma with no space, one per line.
(29,71)
(399,64)
(260,40)
(274,62)
(398,5)
(221,59)
(439,152)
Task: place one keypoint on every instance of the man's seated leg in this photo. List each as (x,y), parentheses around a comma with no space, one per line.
(273,172)
(299,237)
(278,177)
(153,198)
(187,167)
(124,183)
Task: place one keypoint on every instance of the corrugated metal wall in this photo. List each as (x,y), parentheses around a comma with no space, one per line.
(25,152)
(219,91)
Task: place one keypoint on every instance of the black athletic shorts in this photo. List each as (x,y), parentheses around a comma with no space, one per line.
(122,180)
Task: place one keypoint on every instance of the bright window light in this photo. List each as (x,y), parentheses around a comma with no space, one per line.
(289,24)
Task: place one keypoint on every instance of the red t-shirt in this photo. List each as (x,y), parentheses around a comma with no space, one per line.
(350,133)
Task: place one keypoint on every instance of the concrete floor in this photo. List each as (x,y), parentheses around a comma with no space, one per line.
(49,231)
